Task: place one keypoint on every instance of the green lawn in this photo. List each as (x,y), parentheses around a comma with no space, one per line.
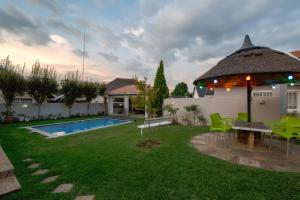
(107,163)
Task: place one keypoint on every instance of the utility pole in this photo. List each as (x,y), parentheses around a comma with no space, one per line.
(83,55)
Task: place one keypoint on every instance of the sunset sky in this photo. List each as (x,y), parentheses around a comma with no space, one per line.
(128,37)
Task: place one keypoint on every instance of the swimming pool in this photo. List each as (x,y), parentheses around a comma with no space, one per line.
(68,128)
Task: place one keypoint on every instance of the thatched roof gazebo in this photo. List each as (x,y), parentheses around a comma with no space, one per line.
(251,66)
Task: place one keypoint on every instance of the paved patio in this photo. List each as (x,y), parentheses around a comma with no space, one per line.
(227,148)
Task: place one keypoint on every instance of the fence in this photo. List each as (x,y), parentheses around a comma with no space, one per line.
(263,108)
(61,109)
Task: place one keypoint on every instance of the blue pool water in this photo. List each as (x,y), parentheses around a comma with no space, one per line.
(68,128)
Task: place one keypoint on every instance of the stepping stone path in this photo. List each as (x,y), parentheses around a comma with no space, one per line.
(34,165)
(86,197)
(63,188)
(49,179)
(41,171)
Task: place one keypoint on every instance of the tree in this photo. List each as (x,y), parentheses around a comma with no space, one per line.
(181,90)
(173,111)
(12,83)
(161,88)
(71,88)
(91,90)
(194,109)
(41,83)
(145,97)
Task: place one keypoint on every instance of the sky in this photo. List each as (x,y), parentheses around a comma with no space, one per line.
(125,38)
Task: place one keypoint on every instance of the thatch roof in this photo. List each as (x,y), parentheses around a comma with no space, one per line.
(265,65)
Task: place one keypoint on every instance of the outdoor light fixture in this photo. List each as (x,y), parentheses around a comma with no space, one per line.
(201,87)
(215,81)
(292,84)
(290,77)
(248,78)
(24,106)
(273,87)
(228,89)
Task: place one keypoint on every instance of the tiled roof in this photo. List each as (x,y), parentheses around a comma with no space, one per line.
(118,83)
(128,89)
(296,54)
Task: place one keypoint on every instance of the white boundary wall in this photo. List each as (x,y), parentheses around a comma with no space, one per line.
(54,109)
(228,104)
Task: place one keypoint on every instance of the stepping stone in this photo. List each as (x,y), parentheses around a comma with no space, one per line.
(49,179)
(63,188)
(27,160)
(41,171)
(86,197)
(34,165)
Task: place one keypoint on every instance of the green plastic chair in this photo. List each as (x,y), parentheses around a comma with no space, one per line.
(288,128)
(219,124)
(242,117)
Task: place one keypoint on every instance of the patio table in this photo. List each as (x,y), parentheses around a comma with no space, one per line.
(250,133)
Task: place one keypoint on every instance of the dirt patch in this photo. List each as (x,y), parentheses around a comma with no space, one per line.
(148,144)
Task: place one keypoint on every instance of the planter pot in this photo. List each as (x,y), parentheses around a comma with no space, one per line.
(9,119)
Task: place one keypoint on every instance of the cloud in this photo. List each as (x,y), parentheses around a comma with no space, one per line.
(137,67)
(58,24)
(178,26)
(51,5)
(107,38)
(79,53)
(109,56)
(15,21)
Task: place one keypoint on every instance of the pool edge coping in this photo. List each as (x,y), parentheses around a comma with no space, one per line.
(50,136)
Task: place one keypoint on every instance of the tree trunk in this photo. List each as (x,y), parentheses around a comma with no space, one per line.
(88,108)
(194,118)
(70,107)
(39,110)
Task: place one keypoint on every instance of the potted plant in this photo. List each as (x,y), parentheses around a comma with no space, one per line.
(193,108)
(21,117)
(201,119)
(8,116)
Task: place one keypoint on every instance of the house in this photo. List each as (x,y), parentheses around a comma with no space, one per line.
(117,97)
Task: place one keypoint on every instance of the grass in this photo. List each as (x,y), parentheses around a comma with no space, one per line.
(107,163)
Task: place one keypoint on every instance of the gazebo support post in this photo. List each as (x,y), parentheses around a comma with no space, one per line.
(249,89)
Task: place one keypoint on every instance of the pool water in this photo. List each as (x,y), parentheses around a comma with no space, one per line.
(67,128)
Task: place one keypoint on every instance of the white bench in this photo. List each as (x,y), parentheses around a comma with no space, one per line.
(155,122)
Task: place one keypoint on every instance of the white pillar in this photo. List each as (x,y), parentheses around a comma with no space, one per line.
(110,105)
(283,99)
(126,104)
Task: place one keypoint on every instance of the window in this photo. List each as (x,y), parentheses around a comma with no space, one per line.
(292,100)
(256,94)
(24,100)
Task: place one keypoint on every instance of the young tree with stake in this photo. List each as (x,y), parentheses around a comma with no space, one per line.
(41,83)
